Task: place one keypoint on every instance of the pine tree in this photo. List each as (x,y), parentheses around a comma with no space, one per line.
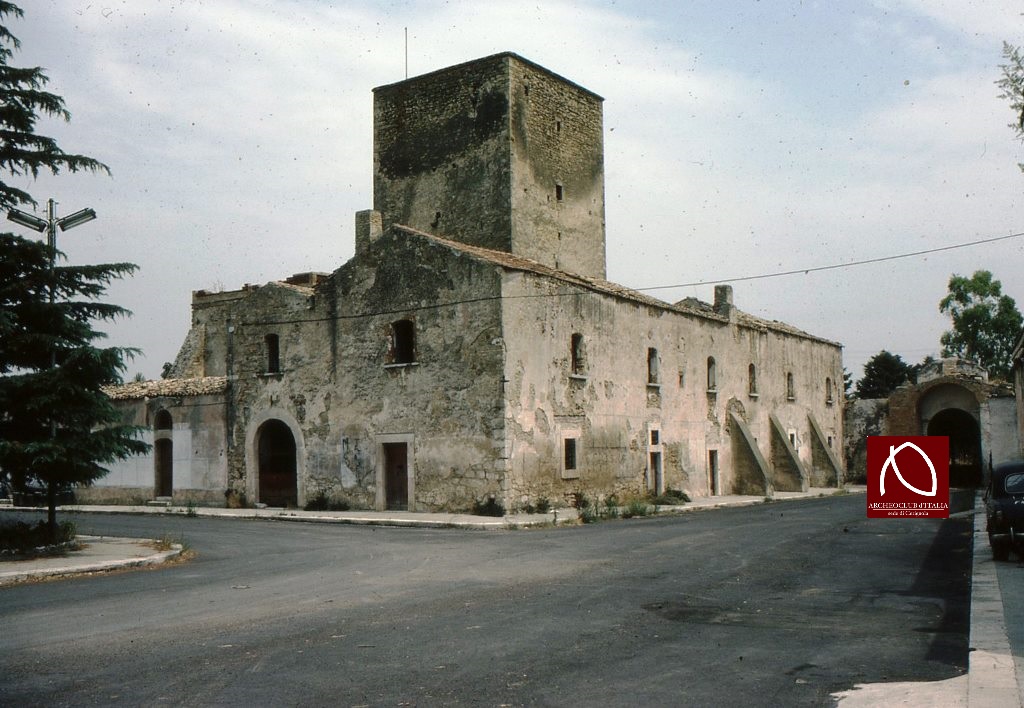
(883,373)
(57,427)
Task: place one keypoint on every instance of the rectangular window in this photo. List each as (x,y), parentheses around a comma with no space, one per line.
(577,355)
(403,342)
(652,366)
(570,454)
(273,349)
(558,192)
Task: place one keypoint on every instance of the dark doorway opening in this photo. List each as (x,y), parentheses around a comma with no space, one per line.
(964,445)
(396,476)
(163,453)
(278,481)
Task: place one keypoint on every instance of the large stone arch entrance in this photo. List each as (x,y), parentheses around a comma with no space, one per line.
(277,464)
(953,410)
(965,463)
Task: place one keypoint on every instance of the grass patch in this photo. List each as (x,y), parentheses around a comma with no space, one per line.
(168,541)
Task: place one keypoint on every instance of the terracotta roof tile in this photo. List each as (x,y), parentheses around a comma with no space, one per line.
(689,306)
(168,387)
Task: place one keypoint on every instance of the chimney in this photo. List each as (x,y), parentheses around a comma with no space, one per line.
(723,300)
(369,227)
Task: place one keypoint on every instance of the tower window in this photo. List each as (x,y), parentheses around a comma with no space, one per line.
(828,390)
(752,380)
(558,192)
(712,375)
(790,387)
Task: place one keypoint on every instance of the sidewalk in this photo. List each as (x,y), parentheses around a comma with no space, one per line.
(98,554)
(429,519)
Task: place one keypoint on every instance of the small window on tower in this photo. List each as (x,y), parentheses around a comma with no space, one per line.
(558,192)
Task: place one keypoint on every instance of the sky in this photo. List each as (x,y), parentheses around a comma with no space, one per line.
(742,138)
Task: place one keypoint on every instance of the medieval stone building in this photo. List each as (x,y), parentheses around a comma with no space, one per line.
(472,349)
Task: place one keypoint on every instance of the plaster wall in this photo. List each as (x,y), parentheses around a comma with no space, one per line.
(199,458)
(613,407)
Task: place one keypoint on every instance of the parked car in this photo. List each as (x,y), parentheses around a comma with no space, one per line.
(1004,510)
(35,495)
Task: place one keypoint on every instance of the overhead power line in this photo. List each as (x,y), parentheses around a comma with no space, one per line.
(836,266)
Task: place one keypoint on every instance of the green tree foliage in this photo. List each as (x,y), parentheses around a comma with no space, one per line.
(986,323)
(57,427)
(1012,84)
(882,374)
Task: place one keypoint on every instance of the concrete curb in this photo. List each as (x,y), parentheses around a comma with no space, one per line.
(62,566)
(431,520)
(992,676)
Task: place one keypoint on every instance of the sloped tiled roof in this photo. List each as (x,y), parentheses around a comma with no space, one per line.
(207,385)
(689,306)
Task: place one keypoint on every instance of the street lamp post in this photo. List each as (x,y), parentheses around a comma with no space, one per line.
(49,225)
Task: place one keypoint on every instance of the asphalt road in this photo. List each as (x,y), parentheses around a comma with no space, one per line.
(779,604)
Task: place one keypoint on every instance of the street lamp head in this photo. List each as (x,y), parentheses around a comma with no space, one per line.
(26,219)
(78,218)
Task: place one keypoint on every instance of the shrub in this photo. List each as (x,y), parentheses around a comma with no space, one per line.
(322,502)
(20,538)
(671,497)
(488,507)
(636,507)
(580,501)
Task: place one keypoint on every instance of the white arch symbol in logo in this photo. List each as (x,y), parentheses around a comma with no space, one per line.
(891,460)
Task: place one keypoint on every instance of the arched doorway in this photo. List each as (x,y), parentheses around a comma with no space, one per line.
(163,454)
(964,445)
(276,471)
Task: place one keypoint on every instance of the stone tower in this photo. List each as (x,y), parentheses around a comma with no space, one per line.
(498,152)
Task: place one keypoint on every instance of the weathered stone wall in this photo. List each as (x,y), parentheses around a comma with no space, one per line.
(557,171)
(612,407)
(1000,436)
(499,153)
(339,393)
(863,418)
(441,153)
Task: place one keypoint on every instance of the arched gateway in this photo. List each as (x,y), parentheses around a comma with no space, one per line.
(277,465)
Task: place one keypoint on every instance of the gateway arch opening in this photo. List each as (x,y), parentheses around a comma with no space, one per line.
(964,445)
(276,454)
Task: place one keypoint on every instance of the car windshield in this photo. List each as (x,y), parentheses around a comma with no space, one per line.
(1014,483)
